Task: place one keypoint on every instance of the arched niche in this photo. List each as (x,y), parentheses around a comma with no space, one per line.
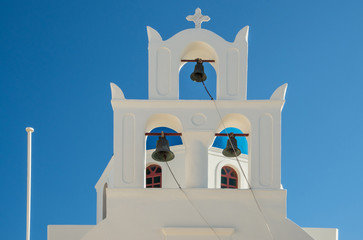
(104,202)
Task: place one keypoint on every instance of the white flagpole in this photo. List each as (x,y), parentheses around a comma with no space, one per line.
(29,181)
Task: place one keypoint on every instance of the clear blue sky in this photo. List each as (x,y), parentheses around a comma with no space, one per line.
(57,59)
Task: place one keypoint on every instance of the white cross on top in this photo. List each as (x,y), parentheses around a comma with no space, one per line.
(198,18)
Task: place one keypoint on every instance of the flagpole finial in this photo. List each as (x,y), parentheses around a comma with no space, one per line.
(29,129)
(198,18)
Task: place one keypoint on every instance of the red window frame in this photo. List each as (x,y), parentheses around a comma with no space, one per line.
(153,176)
(229,177)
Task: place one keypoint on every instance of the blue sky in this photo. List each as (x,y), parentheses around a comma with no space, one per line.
(57,59)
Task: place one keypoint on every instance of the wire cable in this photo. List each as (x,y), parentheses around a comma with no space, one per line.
(239,164)
(229,139)
(191,203)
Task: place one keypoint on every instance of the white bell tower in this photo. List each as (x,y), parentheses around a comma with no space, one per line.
(201,209)
(197,120)
(165,61)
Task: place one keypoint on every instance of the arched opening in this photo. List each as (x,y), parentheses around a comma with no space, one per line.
(221,141)
(104,200)
(153,176)
(177,165)
(188,89)
(237,124)
(229,177)
(238,164)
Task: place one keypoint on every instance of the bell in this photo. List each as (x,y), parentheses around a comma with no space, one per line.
(231,144)
(162,152)
(198,75)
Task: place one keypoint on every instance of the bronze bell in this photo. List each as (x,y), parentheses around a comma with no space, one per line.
(162,152)
(198,75)
(228,151)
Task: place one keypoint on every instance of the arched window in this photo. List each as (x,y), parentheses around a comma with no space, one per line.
(153,176)
(229,178)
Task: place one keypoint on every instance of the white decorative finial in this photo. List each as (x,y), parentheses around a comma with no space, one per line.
(29,129)
(198,18)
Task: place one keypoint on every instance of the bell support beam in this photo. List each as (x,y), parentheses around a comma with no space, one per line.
(196,60)
(165,134)
(235,134)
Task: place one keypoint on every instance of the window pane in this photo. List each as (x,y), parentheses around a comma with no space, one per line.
(224,180)
(157,180)
(148,180)
(232,182)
